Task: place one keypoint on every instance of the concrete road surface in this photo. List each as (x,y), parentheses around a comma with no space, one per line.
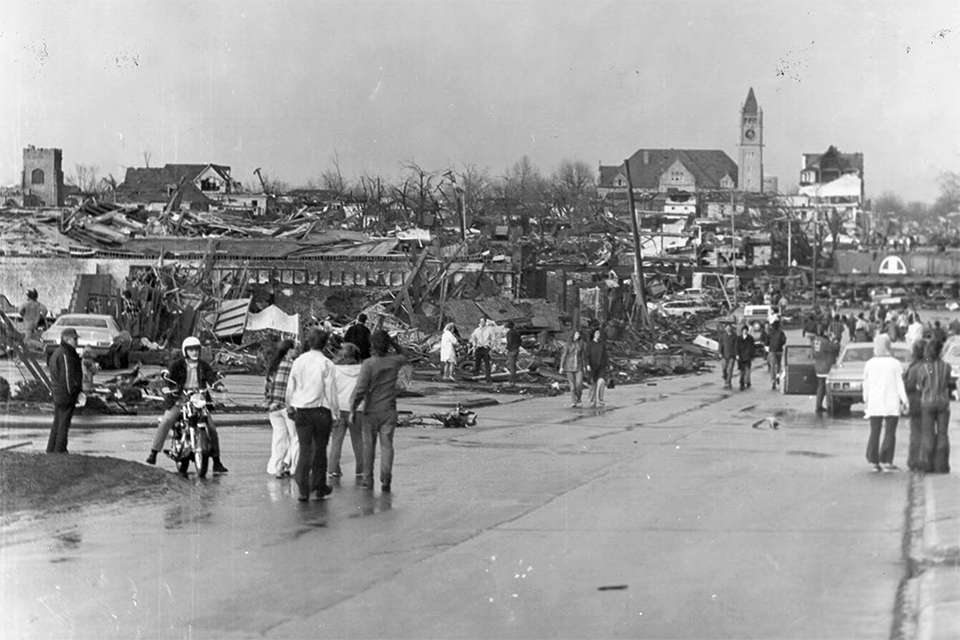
(663,516)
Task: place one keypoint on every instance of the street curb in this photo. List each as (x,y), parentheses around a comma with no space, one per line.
(146,421)
(938,598)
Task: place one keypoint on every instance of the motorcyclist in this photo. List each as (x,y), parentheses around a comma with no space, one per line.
(189,373)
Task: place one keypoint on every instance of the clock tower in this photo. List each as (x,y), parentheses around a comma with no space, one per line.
(751,146)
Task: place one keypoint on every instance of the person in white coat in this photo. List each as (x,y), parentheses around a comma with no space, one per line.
(448,351)
(347,369)
(884,399)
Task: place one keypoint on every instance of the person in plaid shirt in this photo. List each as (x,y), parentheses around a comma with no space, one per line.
(285,447)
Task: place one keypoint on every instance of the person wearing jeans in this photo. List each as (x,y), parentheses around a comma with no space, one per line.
(284,445)
(728,353)
(313,401)
(571,363)
(746,348)
(377,386)
(884,399)
(348,371)
(934,384)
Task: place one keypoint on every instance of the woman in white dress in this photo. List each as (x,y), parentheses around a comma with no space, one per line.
(448,351)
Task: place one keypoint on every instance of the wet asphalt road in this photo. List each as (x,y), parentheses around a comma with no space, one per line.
(664,516)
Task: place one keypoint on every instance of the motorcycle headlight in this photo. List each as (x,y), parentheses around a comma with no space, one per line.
(198,401)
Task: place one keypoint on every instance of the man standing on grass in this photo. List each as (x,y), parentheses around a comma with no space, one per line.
(377,384)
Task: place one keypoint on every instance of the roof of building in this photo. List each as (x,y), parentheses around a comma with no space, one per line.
(150,184)
(750,106)
(832,158)
(708,167)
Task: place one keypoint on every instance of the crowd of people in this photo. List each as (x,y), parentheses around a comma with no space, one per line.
(314,401)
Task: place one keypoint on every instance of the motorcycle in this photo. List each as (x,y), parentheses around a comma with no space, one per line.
(189,438)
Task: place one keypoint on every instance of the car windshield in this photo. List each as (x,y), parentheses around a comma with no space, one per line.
(865,353)
(95,323)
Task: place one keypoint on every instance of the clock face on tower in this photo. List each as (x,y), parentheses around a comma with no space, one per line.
(749,134)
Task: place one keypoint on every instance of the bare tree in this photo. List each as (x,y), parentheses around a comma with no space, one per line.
(147,154)
(525,192)
(574,190)
(332,178)
(86,177)
(417,192)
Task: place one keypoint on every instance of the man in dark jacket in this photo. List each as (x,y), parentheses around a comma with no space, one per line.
(188,372)
(776,341)
(728,354)
(514,342)
(359,335)
(66,383)
(746,346)
(825,353)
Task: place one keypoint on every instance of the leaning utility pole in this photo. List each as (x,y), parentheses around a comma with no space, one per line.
(638,282)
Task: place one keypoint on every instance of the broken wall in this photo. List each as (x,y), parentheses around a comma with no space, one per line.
(54,278)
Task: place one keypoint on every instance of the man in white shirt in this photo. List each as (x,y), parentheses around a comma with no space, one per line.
(481,340)
(312,400)
(914,330)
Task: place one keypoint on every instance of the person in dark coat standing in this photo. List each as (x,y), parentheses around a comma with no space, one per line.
(825,353)
(596,361)
(514,342)
(359,334)
(728,353)
(66,383)
(776,341)
(745,351)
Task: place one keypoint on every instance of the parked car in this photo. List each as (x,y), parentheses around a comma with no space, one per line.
(951,355)
(98,334)
(757,313)
(845,380)
(686,307)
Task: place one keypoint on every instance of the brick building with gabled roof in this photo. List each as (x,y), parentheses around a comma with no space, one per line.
(664,170)
(204,185)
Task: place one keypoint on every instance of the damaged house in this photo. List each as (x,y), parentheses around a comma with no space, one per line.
(202,186)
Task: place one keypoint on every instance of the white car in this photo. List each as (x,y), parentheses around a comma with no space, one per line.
(98,335)
(685,308)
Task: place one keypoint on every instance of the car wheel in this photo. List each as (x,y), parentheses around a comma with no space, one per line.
(125,360)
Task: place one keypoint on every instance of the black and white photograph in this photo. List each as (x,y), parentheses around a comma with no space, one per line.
(479,319)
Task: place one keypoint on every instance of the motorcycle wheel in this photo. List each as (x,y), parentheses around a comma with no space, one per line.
(202,455)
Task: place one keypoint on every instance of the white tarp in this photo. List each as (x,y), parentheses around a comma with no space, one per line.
(274,318)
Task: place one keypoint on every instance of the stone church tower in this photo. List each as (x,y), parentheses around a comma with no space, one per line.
(42,178)
(751,146)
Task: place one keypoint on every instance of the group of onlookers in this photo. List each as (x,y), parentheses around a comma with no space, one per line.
(739,351)
(313,402)
(922,392)
(585,363)
(482,341)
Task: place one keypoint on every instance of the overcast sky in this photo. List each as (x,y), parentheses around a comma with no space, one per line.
(284,86)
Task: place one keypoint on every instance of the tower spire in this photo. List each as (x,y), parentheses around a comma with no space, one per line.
(750,106)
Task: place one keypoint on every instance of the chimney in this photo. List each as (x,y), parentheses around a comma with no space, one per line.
(646,157)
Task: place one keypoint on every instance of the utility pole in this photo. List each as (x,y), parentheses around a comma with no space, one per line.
(638,282)
(733,247)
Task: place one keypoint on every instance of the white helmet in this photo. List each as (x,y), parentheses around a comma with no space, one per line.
(189,343)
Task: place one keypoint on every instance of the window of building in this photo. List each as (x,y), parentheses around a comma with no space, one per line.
(676,176)
(208,184)
(620,182)
(36,176)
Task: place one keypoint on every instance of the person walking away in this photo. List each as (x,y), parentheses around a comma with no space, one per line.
(933,381)
(377,386)
(825,352)
(914,330)
(514,342)
(884,399)
(913,400)
(66,384)
(448,351)
(359,334)
(728,354)
(188,373)
(746,349)
(347,368)
(571,363)
(776,341)
(596,361)
(284,444)
(32,312)
(861,330)
(837,328)
(313,402)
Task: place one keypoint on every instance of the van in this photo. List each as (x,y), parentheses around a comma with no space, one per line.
(758,313)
